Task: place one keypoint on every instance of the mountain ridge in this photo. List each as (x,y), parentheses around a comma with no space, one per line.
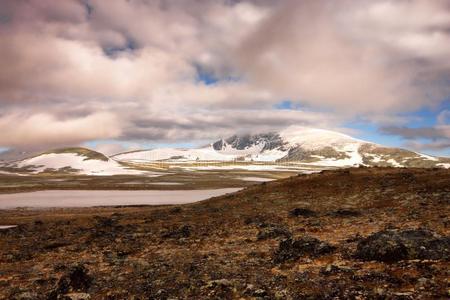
(297,146)
(294,144)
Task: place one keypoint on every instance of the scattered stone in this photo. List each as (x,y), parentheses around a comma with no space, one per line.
(329,269)
(127,258)
(55,245)
(255,220)
(76,279)
(290,249)
(175,210)
(77,296)
(303,212)
(273,231)
(395,245)
(224,283)
(105,221)
(249,288)
(279,295)
(259,293)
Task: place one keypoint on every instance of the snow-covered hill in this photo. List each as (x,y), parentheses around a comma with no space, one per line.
(72,160)
(296,147)
(315,147)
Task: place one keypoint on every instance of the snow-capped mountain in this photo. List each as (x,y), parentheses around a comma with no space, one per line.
(298,146)
(315,147)
(71,160)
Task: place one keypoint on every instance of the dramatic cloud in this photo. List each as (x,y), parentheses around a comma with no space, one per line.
(371,57)
(207,125)
(31,130)
(164,70)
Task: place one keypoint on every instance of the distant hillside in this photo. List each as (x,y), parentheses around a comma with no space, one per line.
(315,147)
(297,147)
(71,160)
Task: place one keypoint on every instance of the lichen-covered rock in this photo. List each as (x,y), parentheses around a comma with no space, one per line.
(76,279)
(273,231)
(395,245)
(291,249)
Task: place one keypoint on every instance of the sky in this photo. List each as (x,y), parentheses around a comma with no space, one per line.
(118,75)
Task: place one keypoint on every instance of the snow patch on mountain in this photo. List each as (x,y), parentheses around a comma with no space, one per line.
(427,156)
(309,146)
(313,139)
(354,158)
(74,162)
(173,154)
(394,163)
(444,165)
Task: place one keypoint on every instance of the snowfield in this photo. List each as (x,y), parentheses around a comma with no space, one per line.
(313,139)
(294,136)
(254,153)
(81,163)
(447,166)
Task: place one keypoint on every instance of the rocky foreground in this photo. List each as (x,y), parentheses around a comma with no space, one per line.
(355,234)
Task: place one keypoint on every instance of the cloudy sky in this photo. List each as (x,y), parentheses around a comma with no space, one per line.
(119,74)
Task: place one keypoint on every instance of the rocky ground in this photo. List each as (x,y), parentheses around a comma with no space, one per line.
(352,234)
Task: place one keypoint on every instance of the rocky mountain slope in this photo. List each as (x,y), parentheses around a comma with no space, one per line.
(315,147)
(362,233)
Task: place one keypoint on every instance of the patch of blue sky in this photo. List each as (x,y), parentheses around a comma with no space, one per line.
(423,118)
(288,105)
(370,132)
(208,77)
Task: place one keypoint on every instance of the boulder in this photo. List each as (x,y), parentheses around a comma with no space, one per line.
(396,245)
(291,249)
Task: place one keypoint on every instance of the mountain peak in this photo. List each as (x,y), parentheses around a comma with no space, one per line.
(313,138)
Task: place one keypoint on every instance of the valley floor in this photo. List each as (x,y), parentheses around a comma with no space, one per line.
(166,180)
(363,233)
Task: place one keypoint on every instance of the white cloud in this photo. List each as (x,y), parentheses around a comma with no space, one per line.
(137,61)
(19,130)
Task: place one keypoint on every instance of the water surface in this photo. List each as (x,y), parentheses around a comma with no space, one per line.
(7,226)
(79,198)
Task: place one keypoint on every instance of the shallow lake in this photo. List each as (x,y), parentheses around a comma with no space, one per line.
(79,198)
(7,226)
